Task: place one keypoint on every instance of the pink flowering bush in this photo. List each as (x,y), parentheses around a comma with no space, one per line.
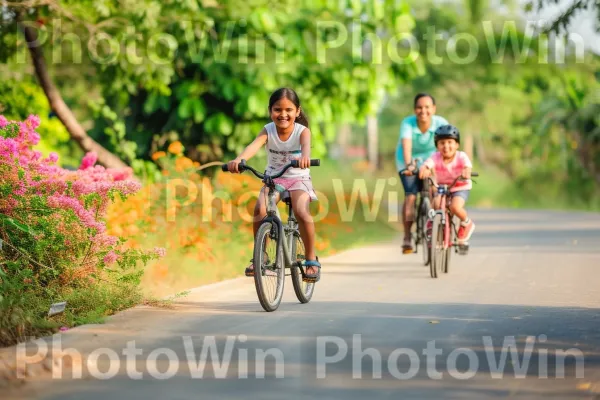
(54,238)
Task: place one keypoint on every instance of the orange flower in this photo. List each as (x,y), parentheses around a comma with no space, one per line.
(158,154)
(176,147)
(183,163)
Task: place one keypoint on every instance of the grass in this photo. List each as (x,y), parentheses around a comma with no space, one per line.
(24,313)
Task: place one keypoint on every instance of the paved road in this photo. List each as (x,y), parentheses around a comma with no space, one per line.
(530,280)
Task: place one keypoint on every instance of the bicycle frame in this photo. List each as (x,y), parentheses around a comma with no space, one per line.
(288,231)
(444,211)
(291,229)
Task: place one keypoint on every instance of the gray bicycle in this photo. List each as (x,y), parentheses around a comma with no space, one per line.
(278,247)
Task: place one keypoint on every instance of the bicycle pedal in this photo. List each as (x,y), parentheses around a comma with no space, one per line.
(463,249)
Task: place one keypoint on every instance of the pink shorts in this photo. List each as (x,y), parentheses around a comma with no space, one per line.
(303,183)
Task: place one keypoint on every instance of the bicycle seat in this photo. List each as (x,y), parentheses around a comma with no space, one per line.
(285,197)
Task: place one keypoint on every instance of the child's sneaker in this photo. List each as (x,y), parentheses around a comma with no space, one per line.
(466,230)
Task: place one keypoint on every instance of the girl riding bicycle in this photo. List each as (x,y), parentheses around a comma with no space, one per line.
(448,164)
(286,138)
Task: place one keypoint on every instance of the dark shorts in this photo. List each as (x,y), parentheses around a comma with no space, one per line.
(411,184)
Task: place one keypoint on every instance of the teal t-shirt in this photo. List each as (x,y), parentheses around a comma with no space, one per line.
(423,145)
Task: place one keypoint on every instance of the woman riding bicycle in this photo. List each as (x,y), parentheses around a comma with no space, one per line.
(415,142)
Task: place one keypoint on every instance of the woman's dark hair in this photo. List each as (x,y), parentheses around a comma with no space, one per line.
(290,94)
(420,95)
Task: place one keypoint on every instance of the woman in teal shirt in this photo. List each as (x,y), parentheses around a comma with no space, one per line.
(416,141)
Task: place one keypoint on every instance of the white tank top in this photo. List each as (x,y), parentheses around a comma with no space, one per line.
(279,153)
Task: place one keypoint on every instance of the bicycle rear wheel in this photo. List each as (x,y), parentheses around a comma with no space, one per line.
(437,247)
(303,290)
(269,274)
(423,217)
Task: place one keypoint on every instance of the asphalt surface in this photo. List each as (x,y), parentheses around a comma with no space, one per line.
(518,317)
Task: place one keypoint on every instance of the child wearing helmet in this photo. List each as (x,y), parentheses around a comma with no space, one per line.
(448,164)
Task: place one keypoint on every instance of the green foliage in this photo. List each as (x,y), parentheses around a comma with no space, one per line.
(205,70)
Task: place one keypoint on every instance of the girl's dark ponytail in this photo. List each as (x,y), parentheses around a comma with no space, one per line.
(302,119)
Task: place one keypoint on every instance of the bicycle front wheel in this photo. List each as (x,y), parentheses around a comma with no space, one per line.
(450,249)
(303,290)
(424,217)
(437,247)
(269,273)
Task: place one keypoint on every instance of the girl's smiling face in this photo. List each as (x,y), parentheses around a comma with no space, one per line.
(447,147)
(284,113)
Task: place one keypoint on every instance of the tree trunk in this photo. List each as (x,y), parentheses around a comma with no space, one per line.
(343,139)
(372,142)
(64,113)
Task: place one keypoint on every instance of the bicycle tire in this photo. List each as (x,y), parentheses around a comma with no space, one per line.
(265,231)
(437,246)
(304,290)
(450,248)
(424,216)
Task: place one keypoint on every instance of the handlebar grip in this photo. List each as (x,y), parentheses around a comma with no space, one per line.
(241,166)
(474,173)
(313,163)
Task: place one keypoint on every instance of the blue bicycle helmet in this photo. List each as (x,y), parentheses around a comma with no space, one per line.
(446,132)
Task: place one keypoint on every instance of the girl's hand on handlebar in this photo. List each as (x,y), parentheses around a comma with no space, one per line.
(304,162)
(233,166)
(466,174)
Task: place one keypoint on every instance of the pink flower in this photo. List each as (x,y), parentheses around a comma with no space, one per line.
(110,258)
(160,251)
(121,174)
(52,157)
(34,138)
(89,160)
(8,147)
(33,121)
(105,240)
(3,121)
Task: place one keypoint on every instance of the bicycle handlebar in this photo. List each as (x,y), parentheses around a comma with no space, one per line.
(473,174)
(293,164)
(414,162)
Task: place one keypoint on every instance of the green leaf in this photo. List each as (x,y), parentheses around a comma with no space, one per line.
(267,21)
(199,110)
(185,109)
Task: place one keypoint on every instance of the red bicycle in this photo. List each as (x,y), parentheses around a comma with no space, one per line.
(444,231)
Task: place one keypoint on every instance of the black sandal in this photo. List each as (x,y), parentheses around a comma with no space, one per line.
(249,271)
(312,278)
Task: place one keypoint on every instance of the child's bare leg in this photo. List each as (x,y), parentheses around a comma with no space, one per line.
(260,209)
(457,207)
(466,225)
(300,202)
(437,202)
